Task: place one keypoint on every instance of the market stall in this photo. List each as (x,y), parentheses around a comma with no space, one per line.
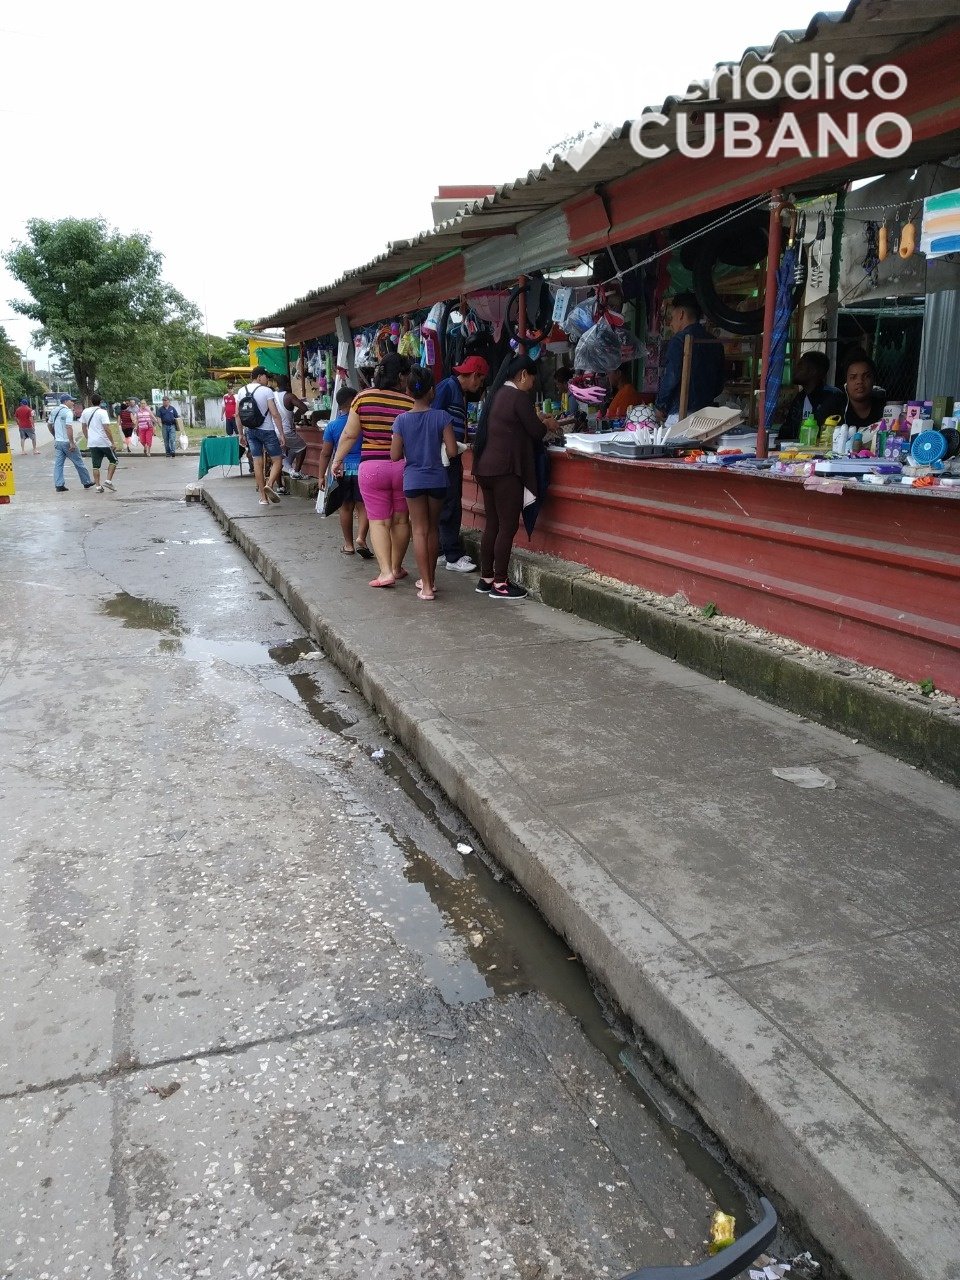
(853,554)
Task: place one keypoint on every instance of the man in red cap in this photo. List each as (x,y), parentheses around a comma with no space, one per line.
(465,383)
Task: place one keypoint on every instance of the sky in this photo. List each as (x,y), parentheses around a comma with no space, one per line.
(267,149)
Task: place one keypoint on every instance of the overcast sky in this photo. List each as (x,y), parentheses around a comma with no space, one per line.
(265,149)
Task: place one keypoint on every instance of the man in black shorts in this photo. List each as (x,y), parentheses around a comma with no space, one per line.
(95,425)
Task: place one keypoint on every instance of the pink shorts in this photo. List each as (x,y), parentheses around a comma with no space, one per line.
(381,487)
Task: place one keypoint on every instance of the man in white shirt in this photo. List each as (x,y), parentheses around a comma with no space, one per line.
(95,425)
(60,423)
(261,430)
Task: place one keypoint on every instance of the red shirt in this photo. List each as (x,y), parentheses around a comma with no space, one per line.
(229,406)
(24,416)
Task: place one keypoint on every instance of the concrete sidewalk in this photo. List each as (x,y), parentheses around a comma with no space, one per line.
(793,954)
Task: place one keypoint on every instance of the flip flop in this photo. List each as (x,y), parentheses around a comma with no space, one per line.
(378,583)
(364,552)
(419,585)
(402,573)
(423,596)
(346,551)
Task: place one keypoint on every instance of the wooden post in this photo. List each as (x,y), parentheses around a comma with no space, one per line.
(685,375)
(522,308)
(774,241)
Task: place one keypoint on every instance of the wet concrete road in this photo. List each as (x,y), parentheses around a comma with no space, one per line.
(259,1016)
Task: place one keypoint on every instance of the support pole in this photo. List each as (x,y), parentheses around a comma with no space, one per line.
(522,308)
(774,242)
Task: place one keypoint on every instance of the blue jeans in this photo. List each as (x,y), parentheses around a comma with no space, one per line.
(62,450)
(170,437)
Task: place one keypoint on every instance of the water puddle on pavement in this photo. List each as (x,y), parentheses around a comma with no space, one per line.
(505,946)
(134,611)
(185,542)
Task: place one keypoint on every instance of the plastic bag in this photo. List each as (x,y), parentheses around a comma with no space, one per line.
(604,348)
(579,321)
(332,496)
(184,441)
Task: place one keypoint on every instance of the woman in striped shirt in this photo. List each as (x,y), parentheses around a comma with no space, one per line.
(371,419)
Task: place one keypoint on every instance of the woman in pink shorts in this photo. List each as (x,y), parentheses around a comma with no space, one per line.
(371,418)
(146,421)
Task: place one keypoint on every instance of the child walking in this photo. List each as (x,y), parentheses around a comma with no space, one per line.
(419,437)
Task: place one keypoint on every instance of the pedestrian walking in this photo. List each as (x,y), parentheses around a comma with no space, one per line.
(350,501)
(230,412)
(505,469)
(126,416)
(288,405)
(147,422)
(371,421)
(64,445)
(169,416)
(261,431)
(95,425)
(420,437)
(27,424)
(465,383)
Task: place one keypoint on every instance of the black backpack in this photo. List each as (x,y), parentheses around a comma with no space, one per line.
(248,411)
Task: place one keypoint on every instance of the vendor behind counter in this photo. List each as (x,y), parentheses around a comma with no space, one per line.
(706,360)
(861,402)
(816,396)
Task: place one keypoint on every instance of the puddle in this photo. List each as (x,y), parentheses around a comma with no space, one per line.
(186,542)
(133,611)
(304,691)
(513,950)
(394,768)
(505,946)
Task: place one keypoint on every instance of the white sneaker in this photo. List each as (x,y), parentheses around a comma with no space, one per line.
(110,485)
(463,565)
(100,488)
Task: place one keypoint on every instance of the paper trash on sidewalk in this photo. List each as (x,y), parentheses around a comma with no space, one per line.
(807,777)
(378,754)
(464,848)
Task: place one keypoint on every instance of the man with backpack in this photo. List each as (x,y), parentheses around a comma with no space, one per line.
(261,429)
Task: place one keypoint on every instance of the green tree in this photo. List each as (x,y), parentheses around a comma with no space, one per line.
(15,382)
(96,293)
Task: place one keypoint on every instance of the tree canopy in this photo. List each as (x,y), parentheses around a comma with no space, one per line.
(16,383)
(98,297)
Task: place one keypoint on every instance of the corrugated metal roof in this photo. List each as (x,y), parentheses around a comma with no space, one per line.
(866,31)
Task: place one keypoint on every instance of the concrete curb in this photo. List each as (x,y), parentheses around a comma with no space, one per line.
(911,729)
(873,1206)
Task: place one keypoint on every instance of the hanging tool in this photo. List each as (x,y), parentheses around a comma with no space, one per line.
(816,251)
(800,270)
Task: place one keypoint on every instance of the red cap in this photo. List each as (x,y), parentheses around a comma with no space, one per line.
(473,364)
